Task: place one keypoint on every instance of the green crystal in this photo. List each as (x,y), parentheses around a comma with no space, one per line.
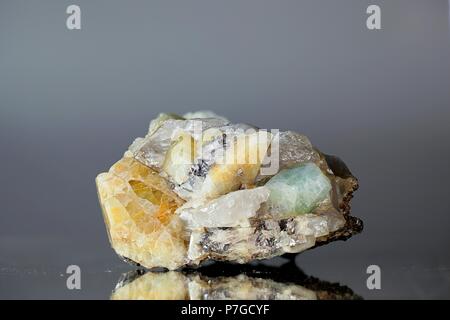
(298,190)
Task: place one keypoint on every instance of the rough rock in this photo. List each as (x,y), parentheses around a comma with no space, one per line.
(193,190)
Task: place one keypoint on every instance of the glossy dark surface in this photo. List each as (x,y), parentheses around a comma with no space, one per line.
(72,101)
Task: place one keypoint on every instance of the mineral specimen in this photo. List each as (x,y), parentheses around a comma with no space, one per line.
(198,187)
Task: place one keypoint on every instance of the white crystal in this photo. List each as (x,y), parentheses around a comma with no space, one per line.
(295,149)
(152,149)
(202,114)
(231,210)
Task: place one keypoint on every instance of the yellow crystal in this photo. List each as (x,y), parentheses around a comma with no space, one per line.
(180,157)
(138,207)
(240,167)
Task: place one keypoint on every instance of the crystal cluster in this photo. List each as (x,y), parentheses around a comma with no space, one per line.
(198,187)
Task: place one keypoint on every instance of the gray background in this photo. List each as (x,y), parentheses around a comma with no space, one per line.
(72,101)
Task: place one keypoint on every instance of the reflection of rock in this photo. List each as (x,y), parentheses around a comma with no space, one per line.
(222,281)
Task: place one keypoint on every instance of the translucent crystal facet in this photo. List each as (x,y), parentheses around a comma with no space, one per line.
(139,208)
(298,190)
(231,210)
